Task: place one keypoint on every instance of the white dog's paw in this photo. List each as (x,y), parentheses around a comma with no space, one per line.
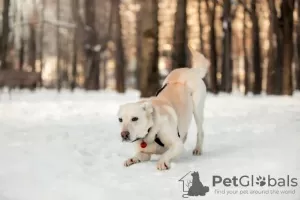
(131,161)
(197,152)
(163,165)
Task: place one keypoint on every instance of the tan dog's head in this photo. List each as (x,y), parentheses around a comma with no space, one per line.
(135,120)
(198,59)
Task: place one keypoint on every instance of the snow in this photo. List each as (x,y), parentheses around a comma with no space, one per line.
(67,146)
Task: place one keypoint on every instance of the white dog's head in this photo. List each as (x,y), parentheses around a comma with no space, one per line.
(135,120)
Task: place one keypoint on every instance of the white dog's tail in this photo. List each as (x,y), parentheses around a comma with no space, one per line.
(200,64)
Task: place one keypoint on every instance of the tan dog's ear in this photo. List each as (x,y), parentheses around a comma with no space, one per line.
(147,106)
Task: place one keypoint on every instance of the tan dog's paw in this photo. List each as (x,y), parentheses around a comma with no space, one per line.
(131,161)
(163,165)
(197,152)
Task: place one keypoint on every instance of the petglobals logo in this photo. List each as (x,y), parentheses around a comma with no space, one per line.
(251,180)
(194,185)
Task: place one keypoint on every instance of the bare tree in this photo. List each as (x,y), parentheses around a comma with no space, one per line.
(201,27)
(256,51)
(75,14)
(22,44)
(180,39)
(58,66)
(226,82)
(280,72)
(5,33)
(213,46)
(246,60)
(32,46)
(119,54)
(92,48)
(188,183)
(138,46)
(149,48)
(41,38)
(275,53)
(298,47)
(287,9)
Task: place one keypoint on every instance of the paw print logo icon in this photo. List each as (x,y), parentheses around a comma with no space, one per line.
(261,181)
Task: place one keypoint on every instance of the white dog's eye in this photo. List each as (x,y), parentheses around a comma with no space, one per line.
(134,119)
(120,120)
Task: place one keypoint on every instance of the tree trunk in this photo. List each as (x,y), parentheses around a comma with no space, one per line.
(120,57)
(271,59)
(58,66)
(5,33)
(213,47)
(41,38)
(287,8)
(246,60)
(149,63)
(75,9)
(298,47)
(138,49)
(180,39)
(32,47)
(275,54)
(22,45)
(200,27)
(256,50)
(226,83)
(91,47)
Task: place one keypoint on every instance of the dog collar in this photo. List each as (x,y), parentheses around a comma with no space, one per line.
(157,140)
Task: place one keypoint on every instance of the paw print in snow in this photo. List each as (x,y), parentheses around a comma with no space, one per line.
(261,181)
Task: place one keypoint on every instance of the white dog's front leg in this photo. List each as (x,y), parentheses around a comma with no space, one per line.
(139,157)
(175,149)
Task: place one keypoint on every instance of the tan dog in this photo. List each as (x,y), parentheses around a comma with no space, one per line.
(159,125)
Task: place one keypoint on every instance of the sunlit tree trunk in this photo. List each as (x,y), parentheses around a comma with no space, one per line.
(200,27)
(149,47)
(138,49)
(180,39)
(271,59)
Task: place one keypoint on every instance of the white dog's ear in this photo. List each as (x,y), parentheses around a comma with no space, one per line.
(120,109)
(147,106)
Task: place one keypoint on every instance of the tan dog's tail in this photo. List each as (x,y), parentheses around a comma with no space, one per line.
(200,64)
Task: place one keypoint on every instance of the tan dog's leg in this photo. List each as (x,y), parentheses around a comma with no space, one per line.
(174,150)
(139,157)
(198,115)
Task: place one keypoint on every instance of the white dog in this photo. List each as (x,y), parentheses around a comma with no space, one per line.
(159,125)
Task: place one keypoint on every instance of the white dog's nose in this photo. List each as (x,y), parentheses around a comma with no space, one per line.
(125,135)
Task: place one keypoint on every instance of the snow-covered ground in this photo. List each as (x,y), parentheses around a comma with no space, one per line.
(67,147)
